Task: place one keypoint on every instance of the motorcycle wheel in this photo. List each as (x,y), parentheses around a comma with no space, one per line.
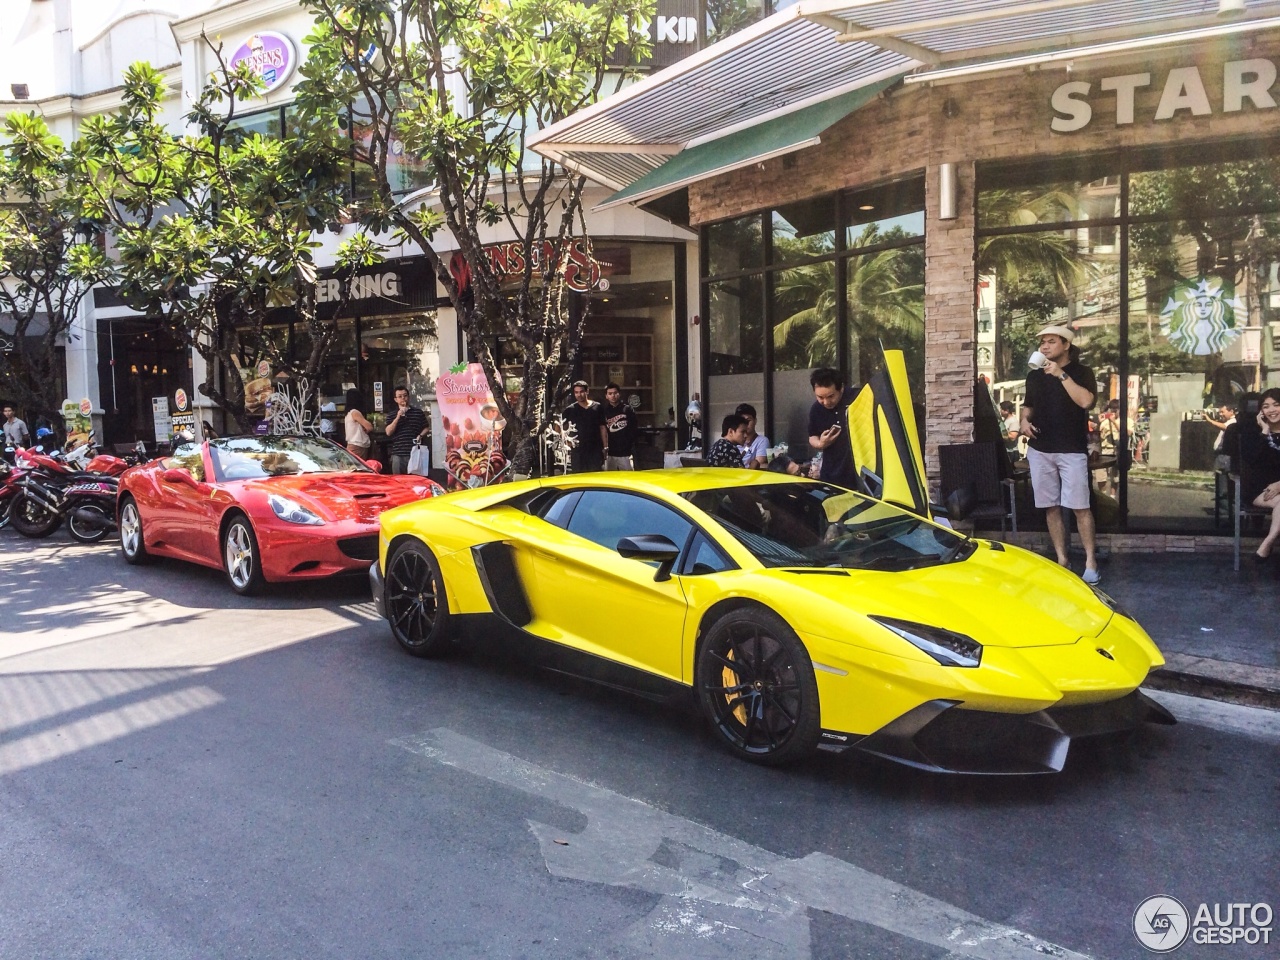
(85,533)
(32,520)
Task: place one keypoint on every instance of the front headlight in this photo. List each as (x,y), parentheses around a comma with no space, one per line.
(291,512)
(947,647)
(1110,602)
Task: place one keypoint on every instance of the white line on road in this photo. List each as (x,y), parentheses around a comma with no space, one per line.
(734,898)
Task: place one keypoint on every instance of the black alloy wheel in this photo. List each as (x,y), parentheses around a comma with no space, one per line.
(415,601)
(757,688)
(31,519)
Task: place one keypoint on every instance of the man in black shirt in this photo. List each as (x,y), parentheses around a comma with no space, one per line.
(588,420)
(829,426)
(620,429)
(1055,419)
(406,428)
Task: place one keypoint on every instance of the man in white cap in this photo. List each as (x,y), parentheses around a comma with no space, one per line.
(1055,420)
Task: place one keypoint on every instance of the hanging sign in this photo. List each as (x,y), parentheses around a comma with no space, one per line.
(268,54)
(472,427)
(1202,316)
(182,425)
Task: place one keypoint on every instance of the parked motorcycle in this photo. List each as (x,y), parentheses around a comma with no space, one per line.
(49,491)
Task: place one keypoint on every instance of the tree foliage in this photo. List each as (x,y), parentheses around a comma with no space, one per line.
(214,230)
(462,85)
(49,261)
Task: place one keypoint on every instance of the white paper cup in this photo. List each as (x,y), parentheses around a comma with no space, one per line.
(1037,359)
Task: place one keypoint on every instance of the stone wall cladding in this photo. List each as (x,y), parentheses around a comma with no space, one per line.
(914,129)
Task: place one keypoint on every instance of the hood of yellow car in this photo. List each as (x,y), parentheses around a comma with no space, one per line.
(1001,598)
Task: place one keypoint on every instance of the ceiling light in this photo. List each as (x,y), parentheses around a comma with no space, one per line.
(867,206)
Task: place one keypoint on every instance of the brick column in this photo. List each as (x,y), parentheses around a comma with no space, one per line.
(949,318)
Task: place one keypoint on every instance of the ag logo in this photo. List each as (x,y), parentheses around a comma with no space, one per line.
(1161,924)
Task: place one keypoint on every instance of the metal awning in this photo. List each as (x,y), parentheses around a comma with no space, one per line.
(773,138)
(819,50)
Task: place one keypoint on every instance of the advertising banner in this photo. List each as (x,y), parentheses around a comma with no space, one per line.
(472,427)
(182,423)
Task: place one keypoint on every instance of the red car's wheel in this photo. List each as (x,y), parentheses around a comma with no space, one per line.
(757,688)
(415,601)
(242,559)
(132,546)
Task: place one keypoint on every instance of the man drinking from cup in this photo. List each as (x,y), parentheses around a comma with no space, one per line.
(1055,420)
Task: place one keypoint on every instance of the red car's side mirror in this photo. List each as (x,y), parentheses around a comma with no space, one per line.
(174,475)
(374,465)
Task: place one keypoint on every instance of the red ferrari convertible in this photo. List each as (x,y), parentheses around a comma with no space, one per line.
(262,508)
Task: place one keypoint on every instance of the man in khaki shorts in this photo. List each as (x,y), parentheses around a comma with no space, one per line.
(1055,420)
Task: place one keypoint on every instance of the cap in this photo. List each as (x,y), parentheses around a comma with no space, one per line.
(581,383)
(1058,330)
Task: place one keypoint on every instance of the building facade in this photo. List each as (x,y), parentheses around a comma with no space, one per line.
(1121,183)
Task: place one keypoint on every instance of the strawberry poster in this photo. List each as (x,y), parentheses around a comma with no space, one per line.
(472,427)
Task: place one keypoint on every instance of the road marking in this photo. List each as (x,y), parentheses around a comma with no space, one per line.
(1256,722)
(734,898)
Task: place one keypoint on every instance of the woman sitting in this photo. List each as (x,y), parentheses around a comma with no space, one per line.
(1260,451)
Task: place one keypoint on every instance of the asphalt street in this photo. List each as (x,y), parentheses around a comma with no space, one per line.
(188,774)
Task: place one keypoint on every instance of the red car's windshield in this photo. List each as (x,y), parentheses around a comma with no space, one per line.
(254,458)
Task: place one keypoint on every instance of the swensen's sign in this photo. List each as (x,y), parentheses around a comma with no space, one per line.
(1182,93)
(581,271)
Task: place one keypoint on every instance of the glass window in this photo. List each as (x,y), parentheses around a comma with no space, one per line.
(189,458)
(884,214)
(704,557)
(1208,190)
(561,509)
(804,317)
(736,326)
(803,230)
(606,516)
(734,246)
(814,525)
(253,458)
(1038,196)
(884,297)
(266,124)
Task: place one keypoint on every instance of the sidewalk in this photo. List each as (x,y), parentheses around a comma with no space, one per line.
(1219,630)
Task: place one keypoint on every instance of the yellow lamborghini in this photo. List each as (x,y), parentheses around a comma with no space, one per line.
(802,615)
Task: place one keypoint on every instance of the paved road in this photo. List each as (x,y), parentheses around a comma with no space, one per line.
(188,774)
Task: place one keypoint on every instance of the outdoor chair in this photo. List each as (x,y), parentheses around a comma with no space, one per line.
(981,469)
(1242,510)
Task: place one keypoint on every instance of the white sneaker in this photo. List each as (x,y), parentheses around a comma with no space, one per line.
(1091,576)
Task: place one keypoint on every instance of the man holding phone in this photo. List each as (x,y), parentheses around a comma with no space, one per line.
(828,421)
(406,428)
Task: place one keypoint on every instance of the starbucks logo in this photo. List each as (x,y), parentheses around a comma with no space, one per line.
(1203,316)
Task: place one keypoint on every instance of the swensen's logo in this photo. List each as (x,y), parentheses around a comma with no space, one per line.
(1161,923)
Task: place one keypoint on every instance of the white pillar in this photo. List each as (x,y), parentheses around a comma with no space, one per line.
(81,350)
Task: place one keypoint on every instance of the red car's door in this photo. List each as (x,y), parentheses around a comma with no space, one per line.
(187,508)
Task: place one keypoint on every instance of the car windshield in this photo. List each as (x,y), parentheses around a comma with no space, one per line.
(816,525)
(253,458)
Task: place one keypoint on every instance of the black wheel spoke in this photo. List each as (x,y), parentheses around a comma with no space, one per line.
(731,664)
(777,705)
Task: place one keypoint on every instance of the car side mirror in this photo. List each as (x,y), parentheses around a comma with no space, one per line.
(174,475)
(651,547)
(374,465)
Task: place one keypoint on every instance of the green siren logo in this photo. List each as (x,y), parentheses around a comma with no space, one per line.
(1202,316)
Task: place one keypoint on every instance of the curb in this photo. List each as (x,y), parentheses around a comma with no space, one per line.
(1218,680)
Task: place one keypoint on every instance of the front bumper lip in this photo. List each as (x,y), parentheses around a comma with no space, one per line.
(377,586)
(936,737)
